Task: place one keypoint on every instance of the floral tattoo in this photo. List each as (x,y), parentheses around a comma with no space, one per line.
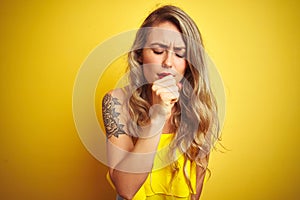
(110,116)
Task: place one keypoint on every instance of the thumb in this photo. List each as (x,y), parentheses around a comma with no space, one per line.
(179,85)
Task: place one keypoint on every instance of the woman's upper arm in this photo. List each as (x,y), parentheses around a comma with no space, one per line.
(114,117)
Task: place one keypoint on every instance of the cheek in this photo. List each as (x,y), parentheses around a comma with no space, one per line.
(150,59)
(181,67)
(150,65)
(149,72)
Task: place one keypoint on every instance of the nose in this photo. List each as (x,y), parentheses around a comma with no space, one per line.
(168,60)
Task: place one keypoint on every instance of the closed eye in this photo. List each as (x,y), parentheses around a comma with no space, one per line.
(158,50)
(180,54)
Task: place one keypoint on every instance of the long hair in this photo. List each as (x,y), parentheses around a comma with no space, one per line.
(195,119)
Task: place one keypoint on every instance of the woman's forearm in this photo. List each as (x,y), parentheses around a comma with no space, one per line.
(132,168)
(138,164)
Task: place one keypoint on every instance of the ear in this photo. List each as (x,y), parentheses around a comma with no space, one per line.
(140,60)
(140,56)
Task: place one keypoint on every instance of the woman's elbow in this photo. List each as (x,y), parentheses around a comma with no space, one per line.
(126,194)
(127,191)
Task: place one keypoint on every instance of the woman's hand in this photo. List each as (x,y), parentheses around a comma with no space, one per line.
(165,93)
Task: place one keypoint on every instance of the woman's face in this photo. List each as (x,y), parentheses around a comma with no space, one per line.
(164,53)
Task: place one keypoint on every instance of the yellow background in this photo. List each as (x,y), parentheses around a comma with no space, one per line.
(255,45)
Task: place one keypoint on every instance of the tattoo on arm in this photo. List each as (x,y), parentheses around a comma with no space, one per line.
(110,116)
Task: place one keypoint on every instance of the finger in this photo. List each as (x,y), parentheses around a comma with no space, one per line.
(164,79)
(165,83)
(170,76)
(169,98)
(167,95)
(179,86)
(172,89)
(169,83)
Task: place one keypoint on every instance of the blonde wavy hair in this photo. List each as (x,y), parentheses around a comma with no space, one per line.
(195,120)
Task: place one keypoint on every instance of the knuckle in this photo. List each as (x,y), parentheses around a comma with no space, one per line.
(153,87)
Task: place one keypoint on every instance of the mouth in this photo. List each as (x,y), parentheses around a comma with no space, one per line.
(163,74)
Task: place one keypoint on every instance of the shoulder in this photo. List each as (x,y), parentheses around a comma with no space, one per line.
(118,94)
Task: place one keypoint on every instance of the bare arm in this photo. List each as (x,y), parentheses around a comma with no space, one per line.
(199,183)
(200,174)
(129,164)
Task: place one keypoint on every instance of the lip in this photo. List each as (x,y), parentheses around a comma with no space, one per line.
(163,74)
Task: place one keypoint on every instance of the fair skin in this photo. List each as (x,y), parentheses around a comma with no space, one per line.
(164,65)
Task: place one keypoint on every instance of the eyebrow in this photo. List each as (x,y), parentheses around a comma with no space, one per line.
(166,46)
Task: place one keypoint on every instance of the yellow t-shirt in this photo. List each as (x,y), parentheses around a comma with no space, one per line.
(159,184)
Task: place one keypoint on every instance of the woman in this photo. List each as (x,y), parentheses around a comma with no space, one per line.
(161,127)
